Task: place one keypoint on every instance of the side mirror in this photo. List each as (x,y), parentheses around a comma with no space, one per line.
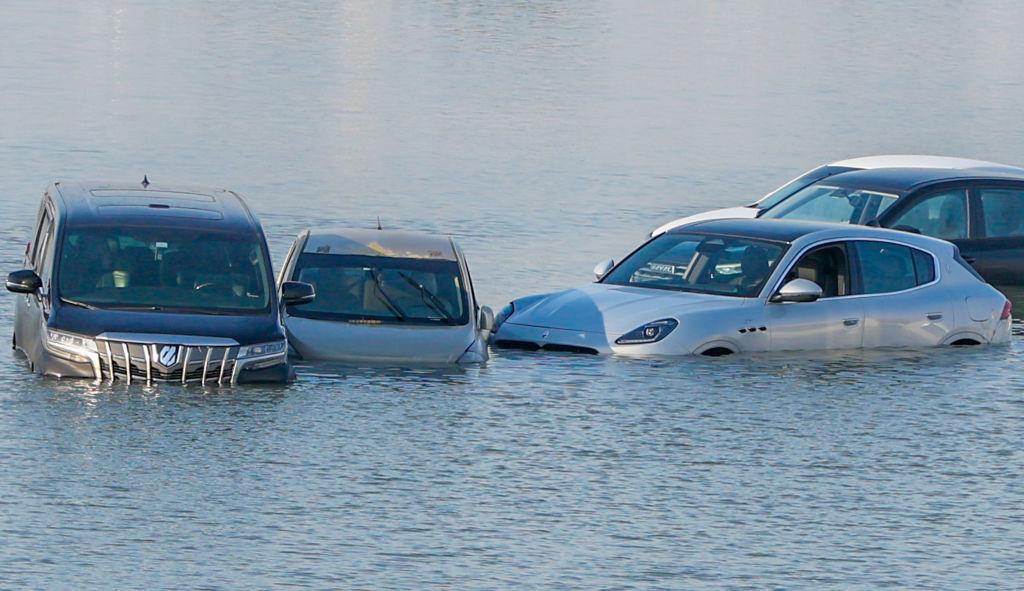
(602,268)
(486,319)
(797,290)
(296,293)
(24,281)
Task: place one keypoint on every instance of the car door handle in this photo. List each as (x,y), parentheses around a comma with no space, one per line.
(935,316)
(851,321)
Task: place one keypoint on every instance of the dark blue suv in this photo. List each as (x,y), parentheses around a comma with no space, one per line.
(150,284)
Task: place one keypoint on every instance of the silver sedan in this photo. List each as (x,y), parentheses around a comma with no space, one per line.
(728,286)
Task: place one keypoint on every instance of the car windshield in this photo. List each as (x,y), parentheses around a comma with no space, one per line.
(163,269)
(778,195)
(702,263)
(829,203)
(378,289)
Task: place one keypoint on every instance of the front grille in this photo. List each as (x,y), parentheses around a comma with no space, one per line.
(532,346)
(149,362)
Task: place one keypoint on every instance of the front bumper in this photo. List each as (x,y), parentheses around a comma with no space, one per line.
(184,359)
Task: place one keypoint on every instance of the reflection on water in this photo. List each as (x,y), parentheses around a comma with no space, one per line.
(545,136)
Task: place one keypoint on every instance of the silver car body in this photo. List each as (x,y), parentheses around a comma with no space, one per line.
(826,170)
(384,296)
(945,305)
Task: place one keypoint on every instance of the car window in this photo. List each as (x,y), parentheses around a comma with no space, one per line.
(1003,212)
(827,266)
(702,263)
(924,266)
(39,242)
(44,260)
(887,267)
(377,289)
(813,176)
(827,203)
(942,215)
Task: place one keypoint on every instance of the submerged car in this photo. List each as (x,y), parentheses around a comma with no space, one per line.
(150,283)
(742,285)
(981,212)
(833,168)
(384,296)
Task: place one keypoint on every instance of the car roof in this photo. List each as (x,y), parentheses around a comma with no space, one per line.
(386,243)
(923,161)
(789,231)
(93,203)
(901,181)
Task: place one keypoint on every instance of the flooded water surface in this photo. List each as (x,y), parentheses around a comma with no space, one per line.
(544,136)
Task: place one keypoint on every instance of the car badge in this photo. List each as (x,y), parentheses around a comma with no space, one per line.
(168,355)
(545,334)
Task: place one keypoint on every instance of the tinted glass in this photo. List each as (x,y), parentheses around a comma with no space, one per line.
(827,203)
(164,269)
(44,249)
(704,263)
(43,228)
(943,215)
(924,266)
(886,267)
(1003,212)
(382,289)
(798,183)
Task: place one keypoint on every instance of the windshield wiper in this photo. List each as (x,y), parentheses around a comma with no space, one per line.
(395,308)
(430,298)
(79,304)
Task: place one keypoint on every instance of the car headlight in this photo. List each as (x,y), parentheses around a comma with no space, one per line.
(70,346)
(652,332)
(263,349)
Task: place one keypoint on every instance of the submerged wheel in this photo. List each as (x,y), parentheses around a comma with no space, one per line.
(717,352)
(965,343)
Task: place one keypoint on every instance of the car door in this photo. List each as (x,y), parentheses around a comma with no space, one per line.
(33,308)
(833,321)
(995,247)
(904,305)
(940,212)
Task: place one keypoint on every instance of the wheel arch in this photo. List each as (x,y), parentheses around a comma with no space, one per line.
(717,348)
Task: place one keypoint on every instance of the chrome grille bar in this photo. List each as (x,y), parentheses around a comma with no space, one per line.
(110,360)
(184,365)
(206,363)
(149,364)
(127,362)
(223,364)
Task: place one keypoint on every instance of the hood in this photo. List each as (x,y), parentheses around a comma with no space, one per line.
(246,329)
(612,309)
(395,343)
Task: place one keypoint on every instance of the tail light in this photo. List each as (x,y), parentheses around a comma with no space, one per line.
(1006,310)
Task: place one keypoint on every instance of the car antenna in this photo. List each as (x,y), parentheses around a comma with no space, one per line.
(379,227)
(145,181)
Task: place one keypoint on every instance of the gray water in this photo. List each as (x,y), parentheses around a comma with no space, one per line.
(544,136)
